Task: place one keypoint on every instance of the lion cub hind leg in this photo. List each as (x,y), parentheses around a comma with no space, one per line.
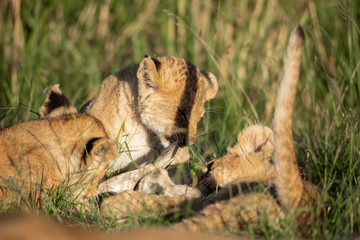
(56,104)
(236,214)
(98,155)
(131,202)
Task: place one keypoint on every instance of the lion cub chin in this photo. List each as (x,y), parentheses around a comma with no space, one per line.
(151,106)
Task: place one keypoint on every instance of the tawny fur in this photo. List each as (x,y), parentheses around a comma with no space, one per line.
(151,105)
(238,213)
(288,179)
(131,202)
(56,104)
(292,191)
(33,228)
(145,178)
(154,191)
(159,182)
(249,161)
(59,149)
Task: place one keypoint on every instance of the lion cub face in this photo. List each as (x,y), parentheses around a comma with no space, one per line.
(247,161)
(172,93)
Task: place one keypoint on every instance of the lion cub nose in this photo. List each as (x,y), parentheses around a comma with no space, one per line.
(183,142)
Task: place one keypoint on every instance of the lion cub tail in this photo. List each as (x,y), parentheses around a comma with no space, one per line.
(288,180)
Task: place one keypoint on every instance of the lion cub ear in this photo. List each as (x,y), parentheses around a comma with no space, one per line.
(56,104)
(211,84)
(255,139)
(148,73)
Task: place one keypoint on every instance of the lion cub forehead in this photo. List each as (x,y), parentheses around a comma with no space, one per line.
(178,72)
(170,61)
(175,75)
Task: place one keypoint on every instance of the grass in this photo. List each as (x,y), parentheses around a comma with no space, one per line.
(79,43)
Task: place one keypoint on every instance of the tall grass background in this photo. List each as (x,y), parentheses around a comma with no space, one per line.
(79,43)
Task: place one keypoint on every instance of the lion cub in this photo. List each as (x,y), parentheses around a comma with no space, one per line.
(234,206)
(64,147)
(151,106)
(256,145)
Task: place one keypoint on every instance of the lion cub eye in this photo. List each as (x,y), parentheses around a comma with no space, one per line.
(183,114)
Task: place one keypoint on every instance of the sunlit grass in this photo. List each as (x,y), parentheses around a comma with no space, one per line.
(79,43)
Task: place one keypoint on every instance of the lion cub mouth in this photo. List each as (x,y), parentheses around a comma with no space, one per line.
(171,143)
(173,147)
(179,138)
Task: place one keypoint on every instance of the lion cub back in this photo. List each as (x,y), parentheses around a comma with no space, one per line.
(51,150)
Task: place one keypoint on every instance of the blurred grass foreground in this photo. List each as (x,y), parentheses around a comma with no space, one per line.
(79,43)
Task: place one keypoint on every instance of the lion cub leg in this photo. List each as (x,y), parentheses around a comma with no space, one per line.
(132,202)
(99,154)
(238,213)
(154,193)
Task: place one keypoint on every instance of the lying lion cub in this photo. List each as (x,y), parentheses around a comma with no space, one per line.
(247,162)
(255,145)
(64,147)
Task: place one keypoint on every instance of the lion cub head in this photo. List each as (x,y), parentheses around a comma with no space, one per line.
(247,161)
(172,93)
